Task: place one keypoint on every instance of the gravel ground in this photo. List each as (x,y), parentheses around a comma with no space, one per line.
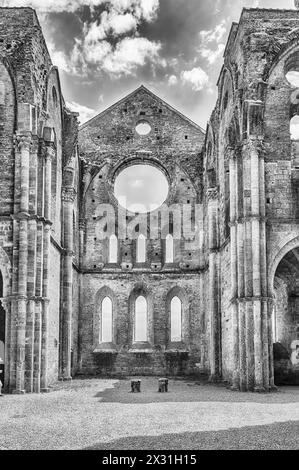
(282,436)
(95,413)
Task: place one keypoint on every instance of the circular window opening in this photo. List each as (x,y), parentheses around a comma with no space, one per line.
(141,188)
(143,128)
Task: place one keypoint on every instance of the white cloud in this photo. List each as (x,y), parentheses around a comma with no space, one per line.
(94,46)
(85,112)
(145,9)
(129,54)
(197,77)
(120,24)
(211,42)
(110,23)
(58,58)
(122,59)
(216,34)
(172,80)
(212,55)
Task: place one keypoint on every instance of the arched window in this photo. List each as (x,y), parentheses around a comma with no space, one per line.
(140,333)
(169,255)
(141,249)
(106,321)
(113,249)
(176,319)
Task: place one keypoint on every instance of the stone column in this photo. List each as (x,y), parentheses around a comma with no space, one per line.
(256,268)
(39,273)
(82,229)
(6,303)
(49,155)
(31,271)
(213,285)
(233,263)
(24,143)
(68,197)
(247,298)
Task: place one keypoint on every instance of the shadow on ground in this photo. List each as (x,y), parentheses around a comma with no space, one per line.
(188,390)
(278,436)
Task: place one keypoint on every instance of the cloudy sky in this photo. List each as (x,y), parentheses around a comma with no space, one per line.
(107,48)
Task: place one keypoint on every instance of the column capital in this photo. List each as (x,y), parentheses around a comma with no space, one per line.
(256,144)
(68,194)
(50,152)
(23,141)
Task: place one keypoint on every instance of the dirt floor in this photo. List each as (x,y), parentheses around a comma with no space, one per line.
(104,414)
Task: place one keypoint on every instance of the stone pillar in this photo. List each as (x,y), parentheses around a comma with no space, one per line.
(256,269)
(233,264)
(39,274)
(215,371)
(24,143)
(68,197)
(31,271)
(49,155)
(82,229)
(7,307)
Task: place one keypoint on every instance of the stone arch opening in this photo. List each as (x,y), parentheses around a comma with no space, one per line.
(105,319)
(2,332)
(173,311)
(285,319)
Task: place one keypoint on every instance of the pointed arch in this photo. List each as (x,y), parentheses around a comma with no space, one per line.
(141,328)
(141,320)
(105,318)
(141,249)
(106,321)
(169,249)
(113,249)
(177,312)
(176,319)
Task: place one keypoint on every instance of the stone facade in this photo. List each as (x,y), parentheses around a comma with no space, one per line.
(237,283)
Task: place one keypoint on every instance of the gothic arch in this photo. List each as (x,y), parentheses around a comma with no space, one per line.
(182,295)
(141,290)
(290,245)
(226,82)
(100,296)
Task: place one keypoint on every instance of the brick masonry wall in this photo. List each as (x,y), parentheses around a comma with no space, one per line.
(123,361)
(174,143)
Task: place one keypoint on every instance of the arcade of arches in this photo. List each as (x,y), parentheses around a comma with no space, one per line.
(139,243)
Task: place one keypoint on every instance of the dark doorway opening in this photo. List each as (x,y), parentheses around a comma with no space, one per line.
(286,320)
